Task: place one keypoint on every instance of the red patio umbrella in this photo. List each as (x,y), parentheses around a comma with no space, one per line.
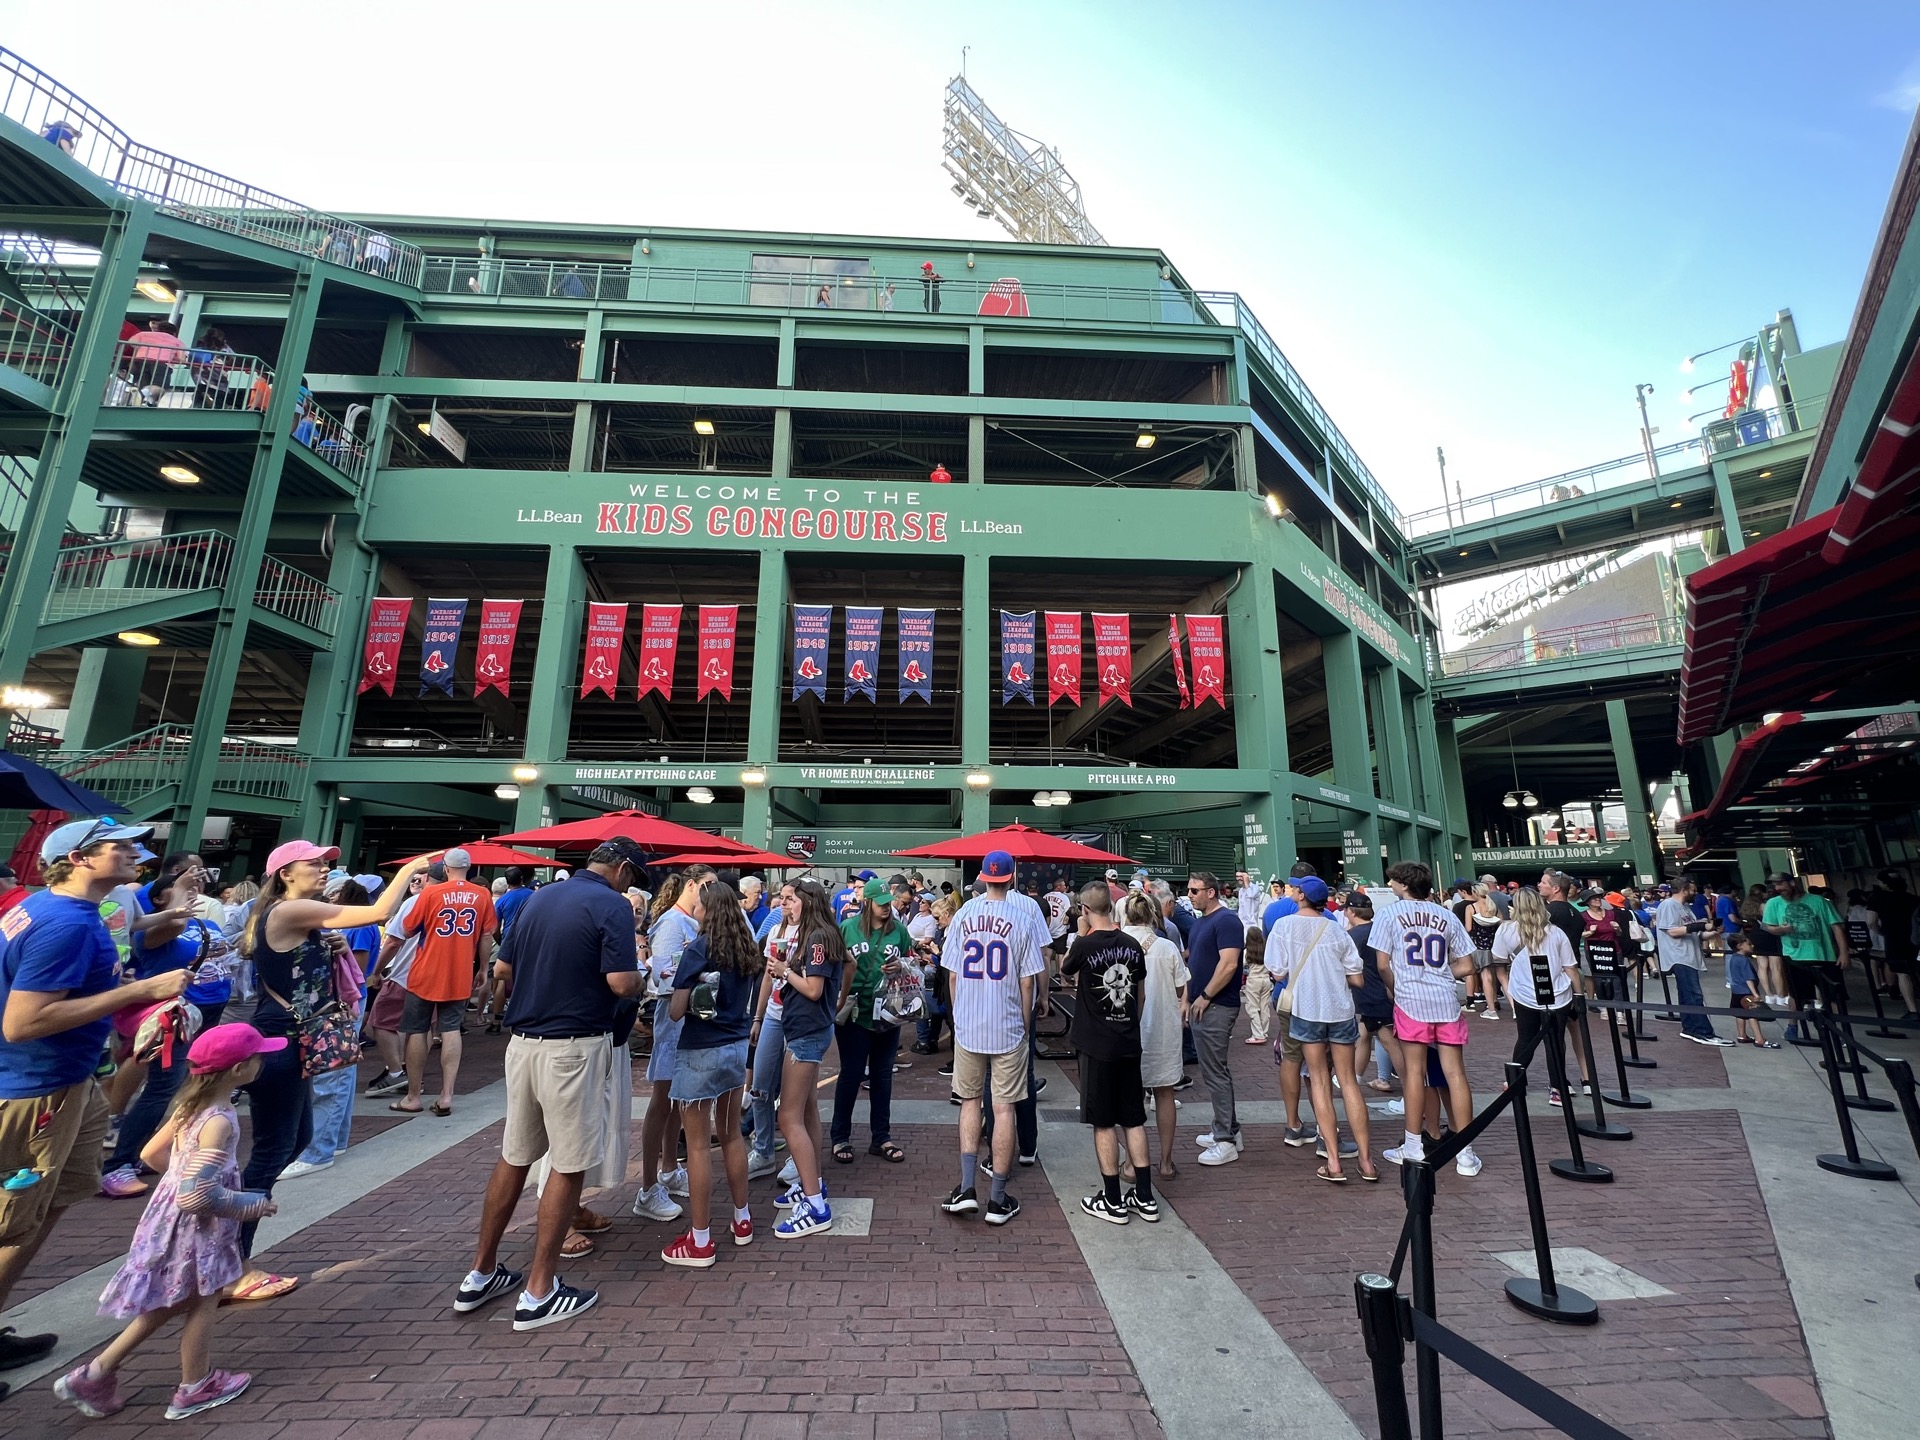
(1022,842)
(649,832)
(740,859)
(486,852)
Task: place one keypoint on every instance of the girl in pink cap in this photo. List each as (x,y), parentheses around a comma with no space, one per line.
(187,1246)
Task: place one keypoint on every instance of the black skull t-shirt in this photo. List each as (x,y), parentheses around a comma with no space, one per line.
(1106,1017)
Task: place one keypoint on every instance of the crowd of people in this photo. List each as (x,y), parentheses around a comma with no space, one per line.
(121,1065)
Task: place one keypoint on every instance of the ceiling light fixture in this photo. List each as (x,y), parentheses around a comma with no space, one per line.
(1275,507)
(1043,799)
(506,792)
(179,475)
(137,637)
(526,774)
(700,795)
(978,779)
(424,428)
(158,290)
(1061,797)
(703,427)
(1145,440)
(754,775)
(18,697)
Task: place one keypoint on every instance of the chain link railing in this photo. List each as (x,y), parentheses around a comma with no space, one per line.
(179,377)
(89,579)
(297,596)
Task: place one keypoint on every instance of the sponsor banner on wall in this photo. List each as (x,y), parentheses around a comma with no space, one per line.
(1016,657)
(811,627)
(600,656)
(1063,656)
(499,627)
(1113,657)
(1179,664)
(719,630)
(916,653)
(1207,646)
(659,649)
(386,629)
(863,651)
(439,643)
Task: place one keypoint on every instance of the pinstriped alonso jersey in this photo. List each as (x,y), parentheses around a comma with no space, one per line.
(990,947)
(1422,940)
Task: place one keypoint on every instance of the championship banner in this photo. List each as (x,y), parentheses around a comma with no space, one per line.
(659,648)
(600,660)
(916,654)
(1207,647)
(1063,655)
(1179,665)
(499,626)
(386,628)
(863,651)
(811,624)
(719,625)
(439,643)
(1113,657)
(1016,657)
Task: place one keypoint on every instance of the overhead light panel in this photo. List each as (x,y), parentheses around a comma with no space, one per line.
(753,775)
(703,427)
(700,795)
(1274,506)
(1061,797)
(1044,799)
(179,475)
(978,779)
(18,697)
(158,290)
(526,774)
(506,792)
(424,428)
(137,637)
(1145,440)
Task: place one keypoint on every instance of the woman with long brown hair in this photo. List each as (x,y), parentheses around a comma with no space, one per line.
(810,986)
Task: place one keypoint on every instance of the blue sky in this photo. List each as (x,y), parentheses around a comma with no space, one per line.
(1475,226)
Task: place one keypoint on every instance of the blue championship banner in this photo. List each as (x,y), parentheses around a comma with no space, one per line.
(916,653)
(1016,657)
(863,651)
(438,642)
(812,625)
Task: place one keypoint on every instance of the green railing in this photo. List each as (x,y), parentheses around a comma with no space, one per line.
(112,574)
(1543,648)
(167,377)
(297,596)
(330,439)
(156,758)
(39,348)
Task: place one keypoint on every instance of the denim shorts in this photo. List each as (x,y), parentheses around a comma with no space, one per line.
(1323,1032)
(666,1045)
(808,1049)
(710,1073)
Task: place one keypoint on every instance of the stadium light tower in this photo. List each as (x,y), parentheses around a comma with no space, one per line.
(1013,178)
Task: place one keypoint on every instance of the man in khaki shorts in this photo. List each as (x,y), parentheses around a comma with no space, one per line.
(58,990)
(570,959)
(995,947)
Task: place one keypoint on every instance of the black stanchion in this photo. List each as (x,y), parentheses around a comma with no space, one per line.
(1598,1128)
(1418,1180)
(1860,942)
(1623,1097)
(1900,1076)
(1637,1028)
(1579,1167)
(1851,1162)
(1666,998)
(1541,1297)
(1379,1305)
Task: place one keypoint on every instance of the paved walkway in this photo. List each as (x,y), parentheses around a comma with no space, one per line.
(1769,1291)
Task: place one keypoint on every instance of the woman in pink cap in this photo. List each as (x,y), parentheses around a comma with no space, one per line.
(294,964)
(187,1247)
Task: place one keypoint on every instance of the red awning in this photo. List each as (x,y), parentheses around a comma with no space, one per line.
(1889,478)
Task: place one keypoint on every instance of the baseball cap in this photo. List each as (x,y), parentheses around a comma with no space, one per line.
(294,851)
(1113,874)
(926,264)
(80,834)
(998,867)
(458,858)
(1312,889)
(876,890)
(1615,898)
(225,1046)
(615,849)
(437,872)
(372,884)
(864,875)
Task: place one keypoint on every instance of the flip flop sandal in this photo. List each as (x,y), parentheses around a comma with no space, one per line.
(1372,1177)
(843,1154)
(400,1109)
(1382,1086)
(591,1222)
(889,1152)
(576,1246)
(1331,1178)
(267,1287)
(442,1110)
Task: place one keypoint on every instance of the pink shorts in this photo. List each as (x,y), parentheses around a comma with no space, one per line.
(1425,1032)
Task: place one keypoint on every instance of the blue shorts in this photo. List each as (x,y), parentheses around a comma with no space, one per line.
(666,1044)
(710,1073)
(1323,1032)
(808,1049)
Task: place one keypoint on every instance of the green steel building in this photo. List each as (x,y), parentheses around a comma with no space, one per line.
(569,416)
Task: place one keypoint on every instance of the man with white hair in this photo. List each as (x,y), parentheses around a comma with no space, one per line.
(1502,901)
(753,900)
(455,921)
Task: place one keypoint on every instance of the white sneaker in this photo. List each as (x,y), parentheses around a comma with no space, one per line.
(1403,1152)
(653,1204)
(1205,1141)
(301,1167)
(789,1173)
(675,1182)
(759,1165)
(1224,1152)
(1716,1040)
(1394,1107)
(1466,1162)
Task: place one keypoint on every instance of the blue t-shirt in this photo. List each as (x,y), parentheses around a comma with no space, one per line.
(507,905)
(567,940)
(799,1016)
(200,947)
(367,938)
(1728,914)
(733,998)
(1183,922)
(1276,911)
(1740,977)
(51,943)
(1210,935)
(671,934)
(1371,999)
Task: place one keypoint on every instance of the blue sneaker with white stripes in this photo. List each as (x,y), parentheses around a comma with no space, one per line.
(807,1218)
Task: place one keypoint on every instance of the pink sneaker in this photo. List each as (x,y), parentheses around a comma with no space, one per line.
(686,1251)
(219,1387)
(95,1398)
(743,1232)
(123,1184)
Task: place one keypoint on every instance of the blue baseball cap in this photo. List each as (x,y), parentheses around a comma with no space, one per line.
(1312,889)
(866,875)
(997,868)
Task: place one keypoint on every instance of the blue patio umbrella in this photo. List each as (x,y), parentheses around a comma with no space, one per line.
(27,786)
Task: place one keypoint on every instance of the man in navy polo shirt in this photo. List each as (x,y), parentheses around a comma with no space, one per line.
(58,988)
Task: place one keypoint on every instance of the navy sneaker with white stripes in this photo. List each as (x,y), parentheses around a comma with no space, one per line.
(472,1297)
(564,1303)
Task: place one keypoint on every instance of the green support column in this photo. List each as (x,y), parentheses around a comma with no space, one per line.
(1453,786)
(782,444)
(976,449)
(1390,732)
(1729,512)
(1754,865)
(1260,718)
(249,548)
(581,456)
(784,363)
(106,697)
(1347,713)
(1626,766)
(976,689)
(763,699)
(976,359)
(326,716)
(43,520)
(562,611)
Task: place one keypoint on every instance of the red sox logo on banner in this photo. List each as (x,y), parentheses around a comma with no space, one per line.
(606,632)
(1063,656)
(659,648)
(717,628)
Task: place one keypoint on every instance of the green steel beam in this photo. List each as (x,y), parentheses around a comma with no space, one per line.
(563,609)
(763,718)
(326,715)
(976,689)
(1729,511)
(1633,793)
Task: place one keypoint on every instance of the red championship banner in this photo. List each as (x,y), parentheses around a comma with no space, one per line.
(600,660)
(1179,664)
(1063,656)
(659,648)
(493,664)
(1207,641)
(1113,658)
(719,624)
(386,628)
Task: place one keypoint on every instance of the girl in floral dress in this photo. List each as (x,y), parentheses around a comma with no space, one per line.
(187,1246)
